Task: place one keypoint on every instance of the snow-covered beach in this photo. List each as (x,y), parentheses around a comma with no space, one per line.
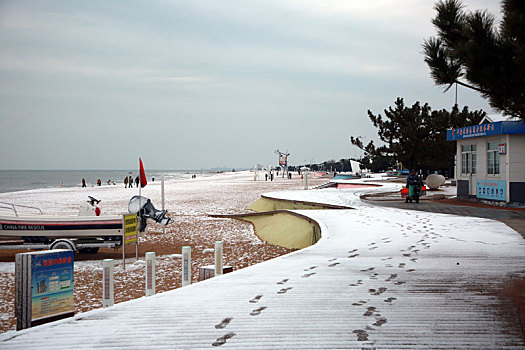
(379,277)
(188,202)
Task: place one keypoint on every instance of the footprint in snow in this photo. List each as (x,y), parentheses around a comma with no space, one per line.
(224,323)
(283,281)
(401,265)
(333,264)
(379,291)
(361,335)
(222,340)
(380,321)
(369,269)
(256,299)
(284,290)
(257,311)
(353,256)
(390,300)
(392,276)
(306,275)
(370,311)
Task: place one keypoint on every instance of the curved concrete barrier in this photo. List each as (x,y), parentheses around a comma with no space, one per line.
(281,227)
(265,204)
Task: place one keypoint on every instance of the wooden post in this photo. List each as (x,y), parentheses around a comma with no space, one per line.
(218,258)
(108,298)
(186,266)
(150,273)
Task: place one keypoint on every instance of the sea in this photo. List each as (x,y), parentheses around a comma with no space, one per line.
(21,180)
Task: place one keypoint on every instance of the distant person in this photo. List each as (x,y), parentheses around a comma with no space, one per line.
(83,182)
(289,176)
(266,177)
(271,177)
(152,179)
(137,181)
(99,183)
(130,182)
(125,182)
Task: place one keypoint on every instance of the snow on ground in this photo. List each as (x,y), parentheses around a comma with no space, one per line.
(380,277)
(187,200)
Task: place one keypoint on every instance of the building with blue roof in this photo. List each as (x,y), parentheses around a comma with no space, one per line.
(490,161)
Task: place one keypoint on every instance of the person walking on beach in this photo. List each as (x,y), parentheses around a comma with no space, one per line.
(125,182)
(83,182)
(137,182)
(130,182)
(99,183)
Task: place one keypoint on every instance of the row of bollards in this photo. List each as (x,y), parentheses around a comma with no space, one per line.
(108,298)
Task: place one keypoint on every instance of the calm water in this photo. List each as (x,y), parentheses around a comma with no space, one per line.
(19,180)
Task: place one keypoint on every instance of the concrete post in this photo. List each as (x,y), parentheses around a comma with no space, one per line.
(150,273)
(306,180)
(218,258)
(186,266)
(108,298)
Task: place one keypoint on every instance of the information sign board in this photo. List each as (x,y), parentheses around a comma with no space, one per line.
(492,189)
(52,284)
(44,287)
(130,228)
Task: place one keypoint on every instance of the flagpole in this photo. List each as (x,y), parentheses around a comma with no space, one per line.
(140,208)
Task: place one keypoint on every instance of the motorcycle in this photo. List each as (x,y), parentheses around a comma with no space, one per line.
(415,190)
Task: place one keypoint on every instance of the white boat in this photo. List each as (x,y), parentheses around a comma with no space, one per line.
(88,224)
(60,226)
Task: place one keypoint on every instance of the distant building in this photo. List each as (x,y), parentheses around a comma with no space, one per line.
(490,160)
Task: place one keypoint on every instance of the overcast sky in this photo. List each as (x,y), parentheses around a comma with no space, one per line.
(200,84)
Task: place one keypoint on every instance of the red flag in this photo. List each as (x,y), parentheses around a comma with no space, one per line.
(143,181)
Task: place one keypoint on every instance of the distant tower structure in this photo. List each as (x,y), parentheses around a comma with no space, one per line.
(283,161)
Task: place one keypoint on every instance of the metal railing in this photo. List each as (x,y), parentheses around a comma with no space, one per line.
(11,206)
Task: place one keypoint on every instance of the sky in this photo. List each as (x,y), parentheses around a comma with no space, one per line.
(197,84)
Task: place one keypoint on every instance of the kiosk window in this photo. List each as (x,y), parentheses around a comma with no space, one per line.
(468,159)
(492,158)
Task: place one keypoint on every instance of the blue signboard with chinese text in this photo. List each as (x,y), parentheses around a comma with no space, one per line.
(474,131)
(492,189)
(52,284)
(488,129)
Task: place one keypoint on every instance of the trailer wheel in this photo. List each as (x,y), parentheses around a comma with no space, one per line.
(63,244)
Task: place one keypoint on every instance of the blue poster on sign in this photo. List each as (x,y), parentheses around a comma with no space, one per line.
(52,284)
(492,189)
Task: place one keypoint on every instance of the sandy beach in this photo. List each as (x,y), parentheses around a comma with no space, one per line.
(188,202)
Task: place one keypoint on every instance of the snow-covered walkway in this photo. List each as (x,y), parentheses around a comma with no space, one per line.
(380,278)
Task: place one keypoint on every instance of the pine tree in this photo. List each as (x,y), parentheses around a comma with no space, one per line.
(470,51)
(417,136)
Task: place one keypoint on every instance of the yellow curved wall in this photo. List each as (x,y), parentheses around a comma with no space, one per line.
(266,204)
(284,229)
